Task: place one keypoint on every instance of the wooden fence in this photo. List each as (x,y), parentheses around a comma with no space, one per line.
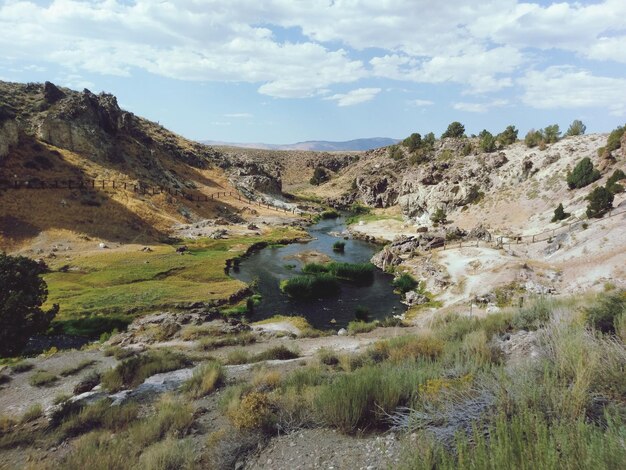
(138,188)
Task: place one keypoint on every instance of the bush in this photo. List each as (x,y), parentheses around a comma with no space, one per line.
(329,214)
(576,128)
(533,138)
(551,134)
(607,312)
(361,273)
(356,327)
(205,379)
(560,214)
(600,202)
(22,293)
(22,366)
(404,283)
(534,316)
(309,287)
(42,378)
(413,142)
(280,353)
(439,216)
(320,175)
(612,184)
(583,174)
(614,140)
(455,129)
(252,411)
(339,247)
(101,415)
(395,152)
(487,141)
(508,136)
(168,455)
(133,371)
(34,411)
(238,339)
(328,357)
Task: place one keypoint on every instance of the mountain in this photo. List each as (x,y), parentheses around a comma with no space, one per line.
(316,145)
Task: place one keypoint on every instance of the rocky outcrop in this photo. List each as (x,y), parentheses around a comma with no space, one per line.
(8,136)
(377,190)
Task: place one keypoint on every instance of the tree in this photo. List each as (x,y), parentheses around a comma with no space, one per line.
(576,128)
(552,133)
(455,129)
(413,142)
(600,202)
(320,175)
(560,214)
(612,184)
(429,141)
(487,141)
(508,136)
(583,174)
(22,292)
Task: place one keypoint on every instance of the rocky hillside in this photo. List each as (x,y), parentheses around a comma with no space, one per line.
(48,132)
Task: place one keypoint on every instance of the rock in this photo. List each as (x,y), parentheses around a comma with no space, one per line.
(342,332)
(8,136)
(102,245)
(479,233)
(182,249)
(218,234)
(413,298)
(492,308)
(51,93)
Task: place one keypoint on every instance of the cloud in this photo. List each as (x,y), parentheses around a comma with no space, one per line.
(421,103)
(482,47)
(479,107)
(360,95)
(570,87)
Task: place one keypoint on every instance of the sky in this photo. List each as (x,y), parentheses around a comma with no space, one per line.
(283,71)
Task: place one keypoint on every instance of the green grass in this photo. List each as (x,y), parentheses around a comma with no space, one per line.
(339,247)
(114,283)
(311,286)
(238,339)
(42,378)
(205,379)
(21,366)
(280,352)
(358,326)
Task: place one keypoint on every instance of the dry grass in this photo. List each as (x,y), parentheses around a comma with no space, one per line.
(205,380)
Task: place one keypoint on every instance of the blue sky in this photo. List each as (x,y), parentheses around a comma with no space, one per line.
(281,71)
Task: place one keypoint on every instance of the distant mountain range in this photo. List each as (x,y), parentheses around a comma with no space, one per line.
(316,145)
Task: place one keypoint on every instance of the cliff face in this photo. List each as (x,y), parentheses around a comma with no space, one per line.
(97,128)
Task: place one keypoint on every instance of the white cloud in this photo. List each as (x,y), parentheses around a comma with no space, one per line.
(421,103)
(479,107)
(360,95)
(481,46)
(570,87)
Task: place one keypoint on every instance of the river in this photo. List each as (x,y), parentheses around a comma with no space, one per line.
(269,266)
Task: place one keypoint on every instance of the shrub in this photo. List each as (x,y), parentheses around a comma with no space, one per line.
(606,312)
(253,411)
(133,371)
(42,378)
(78,367)
(583,174)
(82,419)
(172,418)
(328,357)
(205,379)
(560,214)
(533,138)
(551,134)
(413,142)
(339,247)
(404,283)
(424,346)
(22,366)
(281,353)
(439,216)
(576,128)
(308,287)
(600,202)
(455,129)
(535,316)
(395,152)
(238,356)
(614,141)
(487,141)
(239,339)
(329,214)
(315,268)
(508,136)
(21,296)
(320,175)
(612,184)
(356,327)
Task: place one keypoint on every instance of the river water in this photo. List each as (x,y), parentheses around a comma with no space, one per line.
(269,266)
